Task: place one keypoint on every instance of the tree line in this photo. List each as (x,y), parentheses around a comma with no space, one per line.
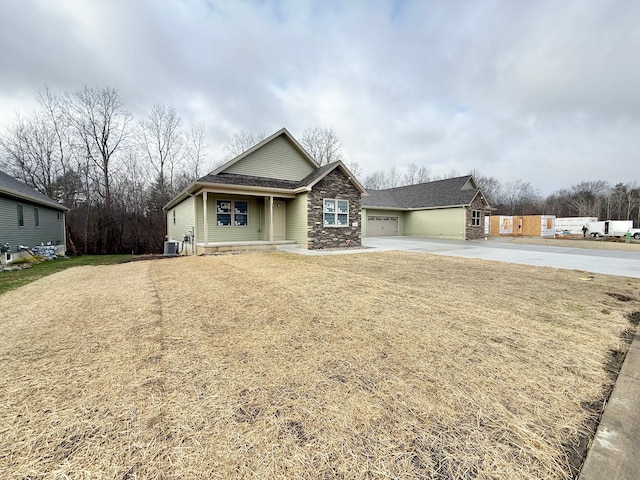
(115,173)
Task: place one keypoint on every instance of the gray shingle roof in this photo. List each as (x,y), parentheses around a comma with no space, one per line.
(249,181)
(15,188)
(440,193)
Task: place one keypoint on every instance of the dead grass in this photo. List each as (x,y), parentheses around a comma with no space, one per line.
(378,365)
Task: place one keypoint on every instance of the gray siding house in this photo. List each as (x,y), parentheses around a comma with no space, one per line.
(274,193)
(29,218)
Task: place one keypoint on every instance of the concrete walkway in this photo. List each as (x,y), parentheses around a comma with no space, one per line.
(614,454)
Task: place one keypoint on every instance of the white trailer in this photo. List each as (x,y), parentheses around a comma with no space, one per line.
(609,228)
(573,225)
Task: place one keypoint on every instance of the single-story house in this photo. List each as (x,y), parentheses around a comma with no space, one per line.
(273,193)
(452,208)
(28,218)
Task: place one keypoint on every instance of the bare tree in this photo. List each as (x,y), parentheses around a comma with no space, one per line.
(415,175)
(490,186)
(586,198)
(103,126)
(323,144)
(163,142)
(518,197)
(376,180)
(240,142)
(29,149)
(196,151)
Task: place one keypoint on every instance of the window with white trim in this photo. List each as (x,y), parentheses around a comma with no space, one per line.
(476,217)
(36,216)
(20,216)
(232,213)
(335,212)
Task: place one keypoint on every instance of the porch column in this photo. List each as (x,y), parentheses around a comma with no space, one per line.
(204,211)
(271,218)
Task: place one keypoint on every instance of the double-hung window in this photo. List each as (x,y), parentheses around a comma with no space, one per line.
(232,213)
(335,212)
(475,218)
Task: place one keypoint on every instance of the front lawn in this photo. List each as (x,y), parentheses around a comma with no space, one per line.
(274,365)
(14,279)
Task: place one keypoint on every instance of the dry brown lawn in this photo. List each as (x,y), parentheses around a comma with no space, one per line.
(273,365)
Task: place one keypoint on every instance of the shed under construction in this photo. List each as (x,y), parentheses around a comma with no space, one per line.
(522,225)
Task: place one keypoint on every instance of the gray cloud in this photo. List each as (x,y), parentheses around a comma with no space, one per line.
(540,91)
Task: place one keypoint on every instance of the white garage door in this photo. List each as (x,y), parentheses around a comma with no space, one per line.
(382,226)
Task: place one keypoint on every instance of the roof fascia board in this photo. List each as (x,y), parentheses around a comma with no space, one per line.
(395,209)
(53,204)
(241,190)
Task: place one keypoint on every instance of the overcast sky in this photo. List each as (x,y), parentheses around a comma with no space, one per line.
(546,91)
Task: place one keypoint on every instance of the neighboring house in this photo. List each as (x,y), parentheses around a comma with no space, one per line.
(273,193)
(29,218)
(451,208)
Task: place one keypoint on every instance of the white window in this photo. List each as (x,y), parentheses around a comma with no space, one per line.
(335,212)
(475,218)
(232,213)
(36,216)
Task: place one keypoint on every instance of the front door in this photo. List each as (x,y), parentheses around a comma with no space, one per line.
(279,221)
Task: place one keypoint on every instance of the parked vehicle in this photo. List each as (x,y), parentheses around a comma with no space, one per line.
(609,228)
(635,233)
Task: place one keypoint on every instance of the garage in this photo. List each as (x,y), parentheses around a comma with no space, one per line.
(379,226)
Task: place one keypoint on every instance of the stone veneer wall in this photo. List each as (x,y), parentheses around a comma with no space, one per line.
(476,233)
(334,185)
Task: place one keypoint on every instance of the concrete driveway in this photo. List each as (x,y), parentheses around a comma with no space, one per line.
(608,262)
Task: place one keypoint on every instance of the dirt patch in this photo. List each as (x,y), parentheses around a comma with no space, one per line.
(275,365)
(620,296)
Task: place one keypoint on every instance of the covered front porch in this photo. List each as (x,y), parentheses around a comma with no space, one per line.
(232,219)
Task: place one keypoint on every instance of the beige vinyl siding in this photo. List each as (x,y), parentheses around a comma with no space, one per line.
(297,220)
(276,159)
(232,233)
(442,222)
(366,212)
(198,211)
(185,219)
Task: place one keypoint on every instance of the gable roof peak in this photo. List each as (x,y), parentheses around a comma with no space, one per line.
(282,132)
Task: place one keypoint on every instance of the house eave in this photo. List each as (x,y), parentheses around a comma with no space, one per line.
(26,198)
(243,190)
(413,209)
